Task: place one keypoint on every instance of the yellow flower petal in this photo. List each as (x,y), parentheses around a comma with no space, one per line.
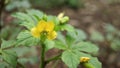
(44,28)
(35,32)
(52,35)
(41,25)
(49,26)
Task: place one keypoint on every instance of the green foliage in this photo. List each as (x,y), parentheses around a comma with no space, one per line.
(115,44)
(70,40)
(10,57)
(75,3)
(49,44)
(54,18)
(96,36)
(6,32)
(70,58)
(25,38)
(67,27)
(6,44)
(48,3)
(74,48)
(4,64)
(113,36)
(57,3)
(78,35)
(15,4)
(82,46)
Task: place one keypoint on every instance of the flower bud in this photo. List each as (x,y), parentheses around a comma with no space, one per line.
(84,59)
(65,19)
(62,18)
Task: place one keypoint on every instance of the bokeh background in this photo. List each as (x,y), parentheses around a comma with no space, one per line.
(99,21)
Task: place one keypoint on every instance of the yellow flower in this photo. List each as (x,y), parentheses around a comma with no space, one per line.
(44,28)
(84,59)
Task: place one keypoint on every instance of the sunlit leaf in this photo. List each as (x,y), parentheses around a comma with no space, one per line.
(71,59)
(86,47)
(35,14)
(60,45)
(67,27)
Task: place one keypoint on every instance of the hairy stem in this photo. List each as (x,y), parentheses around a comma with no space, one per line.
(42,57)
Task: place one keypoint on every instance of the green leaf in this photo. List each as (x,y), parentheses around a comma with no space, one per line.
(96,36)
(60,37)
(115,44)
(27,25)
(27,21)
(71,59)
(53,18)
(60,45)
(23,17)
(86,47)
(70,40)
(75,36)
(81,35)
(10,57)
(67,27)
(4,32)
(21,51)
(25,38)
(4,64)
(35,14)
(6,44)
(110,28)
(94,61)
(49,44)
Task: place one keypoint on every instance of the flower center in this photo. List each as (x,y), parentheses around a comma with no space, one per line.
(44,33)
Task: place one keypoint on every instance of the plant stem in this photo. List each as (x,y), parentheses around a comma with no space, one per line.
(53,58)
(20,65)
(56,62)
(42,57)
(0,51)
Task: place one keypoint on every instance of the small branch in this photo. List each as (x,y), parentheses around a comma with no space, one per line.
(56,62)
(53,58)
(8,47)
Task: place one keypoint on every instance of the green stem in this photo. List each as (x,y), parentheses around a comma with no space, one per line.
(0,51)
(20,65)
(53,58)
(88,65)
(42,58)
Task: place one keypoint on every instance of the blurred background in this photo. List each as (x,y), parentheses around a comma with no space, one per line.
(98,20)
